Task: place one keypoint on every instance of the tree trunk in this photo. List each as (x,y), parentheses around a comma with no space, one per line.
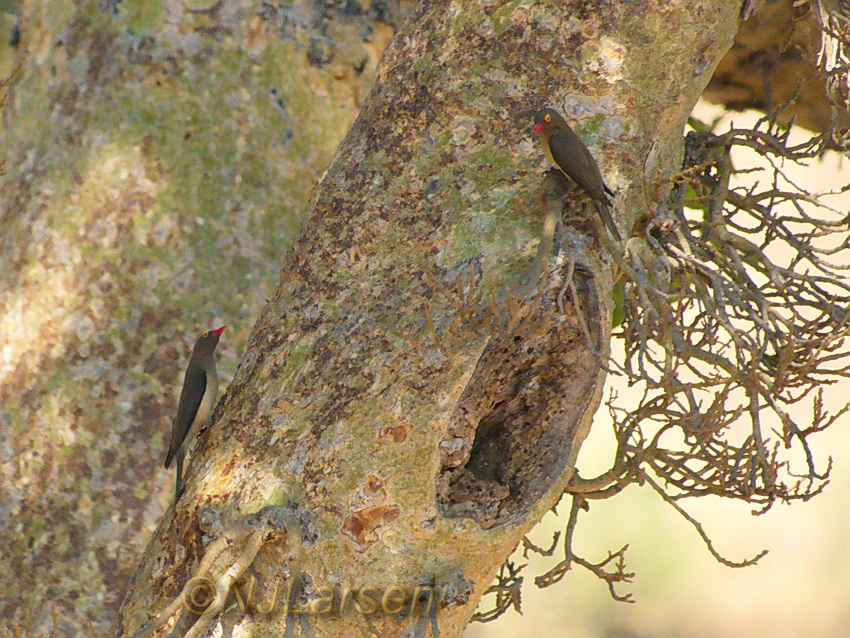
(413,397)
(158,158)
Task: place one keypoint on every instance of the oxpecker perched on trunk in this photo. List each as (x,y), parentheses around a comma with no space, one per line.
(197,399)
(567,152)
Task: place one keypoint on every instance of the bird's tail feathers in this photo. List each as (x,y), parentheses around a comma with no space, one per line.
(605,213)
(169,457)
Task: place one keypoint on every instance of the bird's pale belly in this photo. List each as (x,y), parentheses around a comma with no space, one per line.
(202,416)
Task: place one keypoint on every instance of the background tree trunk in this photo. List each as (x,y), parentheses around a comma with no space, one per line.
(393,383)
(158,158)
(775,62)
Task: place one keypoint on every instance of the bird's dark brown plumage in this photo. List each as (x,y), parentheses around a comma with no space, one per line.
(197,398)
(567,152)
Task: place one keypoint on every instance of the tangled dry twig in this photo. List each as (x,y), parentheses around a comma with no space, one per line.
(736,306)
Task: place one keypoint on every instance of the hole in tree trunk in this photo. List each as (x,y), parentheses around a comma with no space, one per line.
(512,432)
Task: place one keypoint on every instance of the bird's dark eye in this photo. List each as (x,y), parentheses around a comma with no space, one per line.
(207,333)
(547,117)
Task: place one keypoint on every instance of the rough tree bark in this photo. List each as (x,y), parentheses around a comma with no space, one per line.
(408,408)
(158,158)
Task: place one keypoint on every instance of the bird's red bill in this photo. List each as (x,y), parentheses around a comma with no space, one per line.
(218,331)
(538,128)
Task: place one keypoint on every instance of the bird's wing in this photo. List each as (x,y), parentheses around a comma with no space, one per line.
(194,387)
(569,152)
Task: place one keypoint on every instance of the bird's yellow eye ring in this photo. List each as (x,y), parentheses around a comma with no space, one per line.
(207,333)
(547,117)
